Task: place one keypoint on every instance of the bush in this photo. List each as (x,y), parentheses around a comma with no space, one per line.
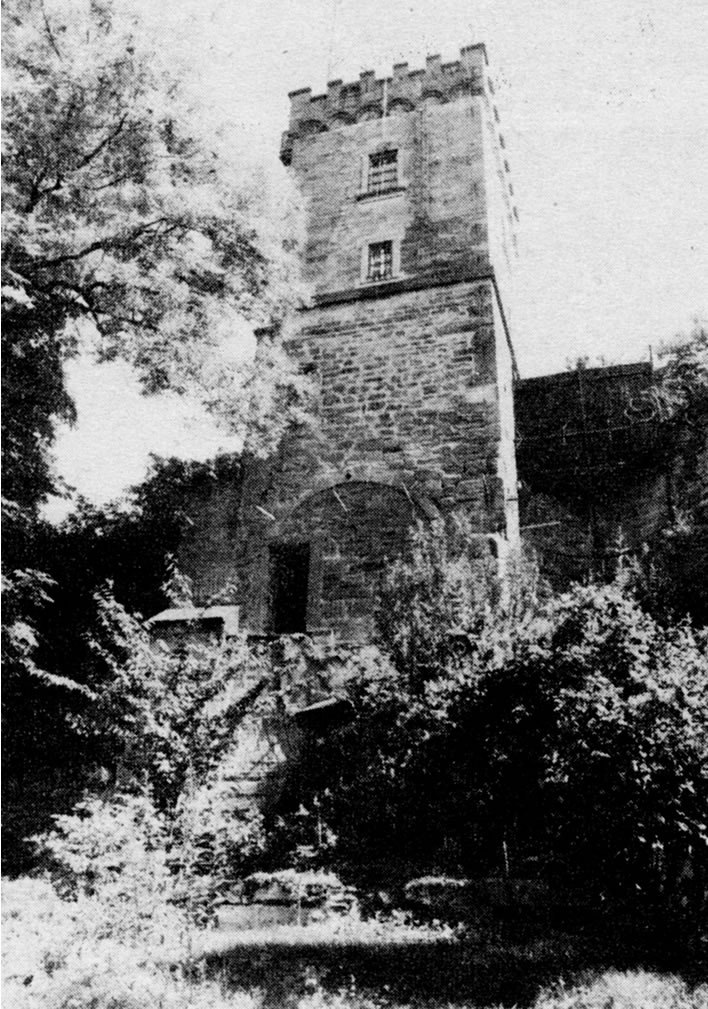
(115,935)
(112,857)
(170,713)
(445,602)
(173,835)
(104,842)
(672,569)
(223,840)
(142,866)
(565,737)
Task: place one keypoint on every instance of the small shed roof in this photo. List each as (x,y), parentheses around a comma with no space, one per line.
(227,615)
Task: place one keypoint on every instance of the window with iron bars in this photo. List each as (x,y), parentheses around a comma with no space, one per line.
(383,171)
(380,261)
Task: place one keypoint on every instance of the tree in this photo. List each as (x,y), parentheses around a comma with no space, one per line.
(126,228)
(132,229)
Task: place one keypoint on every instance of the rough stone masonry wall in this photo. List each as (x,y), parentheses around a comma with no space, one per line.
(409,414)
(437,217)
(408,427)
(453,188)
(415,414)
(409,397)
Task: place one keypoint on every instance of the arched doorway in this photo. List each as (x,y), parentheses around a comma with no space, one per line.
(326,557)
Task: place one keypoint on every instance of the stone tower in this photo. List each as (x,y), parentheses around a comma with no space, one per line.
(409,245)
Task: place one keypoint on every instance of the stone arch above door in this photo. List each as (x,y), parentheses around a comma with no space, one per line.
(352,529)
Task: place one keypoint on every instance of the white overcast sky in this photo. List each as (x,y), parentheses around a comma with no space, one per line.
(604,107)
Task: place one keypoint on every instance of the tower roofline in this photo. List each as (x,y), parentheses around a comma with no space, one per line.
(373,97)
(346,102)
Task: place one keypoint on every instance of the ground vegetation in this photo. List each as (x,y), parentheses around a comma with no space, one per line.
(557,737)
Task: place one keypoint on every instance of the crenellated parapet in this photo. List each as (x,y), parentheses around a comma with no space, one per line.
(372,98)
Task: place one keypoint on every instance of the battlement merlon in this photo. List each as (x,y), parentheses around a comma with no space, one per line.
(371,97)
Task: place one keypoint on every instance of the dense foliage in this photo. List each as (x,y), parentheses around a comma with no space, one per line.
(129,227)
(137,715)
(63,636)
(565,737)
(673,567)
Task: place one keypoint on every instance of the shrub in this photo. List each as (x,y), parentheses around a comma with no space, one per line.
(445,602)
(112,857)
(142,866)
(171,712)
(588,750)
(564,736)
(105,841)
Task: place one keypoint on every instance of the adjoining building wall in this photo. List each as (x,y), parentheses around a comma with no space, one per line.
(595,464)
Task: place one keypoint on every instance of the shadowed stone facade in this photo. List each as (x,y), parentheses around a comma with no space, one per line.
(598,469)
(408,250)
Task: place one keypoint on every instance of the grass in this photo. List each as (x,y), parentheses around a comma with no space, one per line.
(56,957)
(626,990)
(401,965)
(351,932)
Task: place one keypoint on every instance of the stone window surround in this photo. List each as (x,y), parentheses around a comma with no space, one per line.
(382,175)
(380,261)
(375,239)
(364,193)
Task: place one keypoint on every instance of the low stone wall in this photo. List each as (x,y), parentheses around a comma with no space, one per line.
(271,899)
(486,899)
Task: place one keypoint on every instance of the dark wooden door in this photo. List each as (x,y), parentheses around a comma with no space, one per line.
(289,573)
